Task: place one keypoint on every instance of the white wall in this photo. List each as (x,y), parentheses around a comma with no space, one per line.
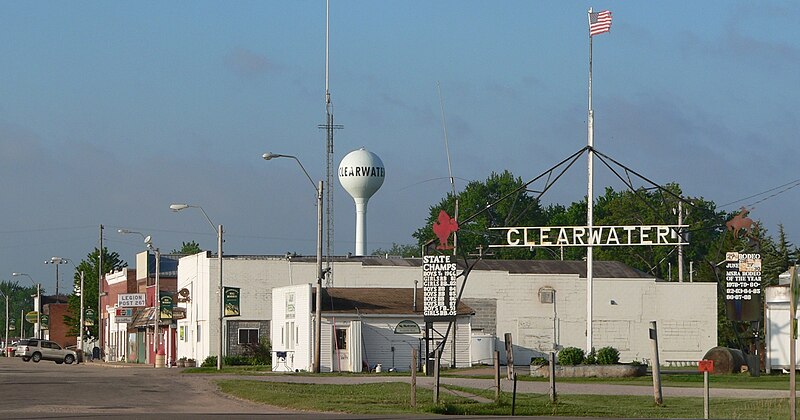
(685,312)
(292,329)
(777,329)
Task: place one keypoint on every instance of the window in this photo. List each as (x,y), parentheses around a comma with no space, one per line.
(341,339)
(248,336)
(290,335)
(547,295)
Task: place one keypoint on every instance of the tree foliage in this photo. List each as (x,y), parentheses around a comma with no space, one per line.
(188,248)
(19,301)
(405,251)
(519,208)
(89,267)
(707,235)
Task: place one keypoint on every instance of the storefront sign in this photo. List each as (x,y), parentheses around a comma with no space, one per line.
(32,317)
(406,327)
(166,301)
(45,322)
(290,308)
(439,285)
(232,301)
(123,315)
(585,236)
(743,286)
(131,300)
(88,317)
(178,313)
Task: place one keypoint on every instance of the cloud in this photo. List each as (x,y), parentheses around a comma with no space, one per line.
(248,64)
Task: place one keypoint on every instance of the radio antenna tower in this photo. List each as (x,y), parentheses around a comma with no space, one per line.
(329,127)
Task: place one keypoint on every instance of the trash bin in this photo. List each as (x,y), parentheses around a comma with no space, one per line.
(160,358)
(80,355)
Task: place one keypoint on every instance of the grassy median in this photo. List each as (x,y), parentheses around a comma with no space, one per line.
(396,398)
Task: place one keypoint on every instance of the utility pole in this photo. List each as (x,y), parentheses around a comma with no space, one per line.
(100,296)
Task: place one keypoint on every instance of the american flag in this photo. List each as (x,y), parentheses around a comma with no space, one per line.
(599,22)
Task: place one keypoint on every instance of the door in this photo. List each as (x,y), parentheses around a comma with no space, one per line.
(341,355)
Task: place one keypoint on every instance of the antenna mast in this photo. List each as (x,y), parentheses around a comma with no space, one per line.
(329,126)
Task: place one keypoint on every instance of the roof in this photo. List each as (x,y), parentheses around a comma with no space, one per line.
(602,269)
(378,300)
(144,318)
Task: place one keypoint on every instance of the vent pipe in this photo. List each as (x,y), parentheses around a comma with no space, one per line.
(415,295)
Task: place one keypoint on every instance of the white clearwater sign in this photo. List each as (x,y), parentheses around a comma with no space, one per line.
(130,300)
(596,236)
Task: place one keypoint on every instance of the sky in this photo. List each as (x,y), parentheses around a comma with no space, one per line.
(111,111)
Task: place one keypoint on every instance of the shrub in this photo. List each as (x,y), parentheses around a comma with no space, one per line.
(539,361)
(591,358)
(608,356)
(211,361)
(570,356)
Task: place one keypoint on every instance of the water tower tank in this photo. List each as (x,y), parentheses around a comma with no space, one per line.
(361,174)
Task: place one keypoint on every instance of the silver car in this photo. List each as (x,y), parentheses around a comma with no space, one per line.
(36,350)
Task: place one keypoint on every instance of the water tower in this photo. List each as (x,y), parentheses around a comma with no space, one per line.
(361,174)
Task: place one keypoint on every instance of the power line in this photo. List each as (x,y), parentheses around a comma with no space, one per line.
(788,186)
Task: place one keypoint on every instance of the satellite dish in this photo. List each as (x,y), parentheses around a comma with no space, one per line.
(147,239)
(184,292)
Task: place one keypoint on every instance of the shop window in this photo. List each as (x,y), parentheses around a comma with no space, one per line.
(248,336)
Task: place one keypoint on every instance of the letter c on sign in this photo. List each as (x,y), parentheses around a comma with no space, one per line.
(508,237)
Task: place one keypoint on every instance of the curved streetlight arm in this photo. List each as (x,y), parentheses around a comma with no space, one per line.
(38,300)
(178,207)
(270,156)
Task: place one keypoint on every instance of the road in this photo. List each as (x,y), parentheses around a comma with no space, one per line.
(48,390)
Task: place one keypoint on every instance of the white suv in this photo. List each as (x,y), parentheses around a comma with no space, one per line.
(36,350)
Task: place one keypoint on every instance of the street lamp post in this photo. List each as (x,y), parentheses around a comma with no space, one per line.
(57,261)
(318,309)
(80,327)
(38,306)
(218,230)
(156,292)
(5,343)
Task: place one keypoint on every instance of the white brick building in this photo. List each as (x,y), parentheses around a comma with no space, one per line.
(541,303)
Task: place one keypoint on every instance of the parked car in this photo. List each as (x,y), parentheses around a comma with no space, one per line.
(36,350)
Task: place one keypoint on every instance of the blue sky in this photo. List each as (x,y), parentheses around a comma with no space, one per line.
(110,111)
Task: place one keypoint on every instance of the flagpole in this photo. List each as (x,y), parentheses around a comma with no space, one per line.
(590,206)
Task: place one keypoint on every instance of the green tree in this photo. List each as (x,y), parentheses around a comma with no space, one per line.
(519,208)
(89,267)
(19,300)
(188,248)
(406,251)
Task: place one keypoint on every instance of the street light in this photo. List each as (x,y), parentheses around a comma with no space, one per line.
(38,306)
(156,291)
(318,309)
(57,261)
(178,207)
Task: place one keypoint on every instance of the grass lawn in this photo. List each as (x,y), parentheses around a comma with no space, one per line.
(228,370)
(694,380)
(396,398)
